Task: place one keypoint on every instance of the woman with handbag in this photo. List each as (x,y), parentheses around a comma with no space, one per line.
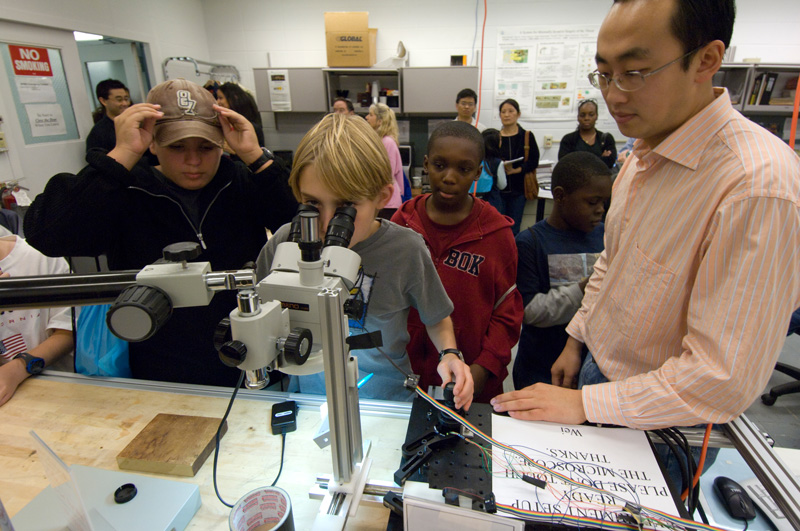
(520,155)
(588,138)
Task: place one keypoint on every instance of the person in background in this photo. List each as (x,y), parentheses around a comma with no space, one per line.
(114,98)
(131,212)
(493,168)
(341,162)
(520,154)
(30,340)
(343,106)
(555,260)
(588,138)
(383,121)
(466,100)
(212,86)
(623,154)
(688,307)
(232,96)
(473,249)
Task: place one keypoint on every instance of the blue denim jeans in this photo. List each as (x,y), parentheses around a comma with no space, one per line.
(590,374)
(513,207)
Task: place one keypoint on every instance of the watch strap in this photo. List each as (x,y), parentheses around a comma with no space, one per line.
(266,156)
(455,351)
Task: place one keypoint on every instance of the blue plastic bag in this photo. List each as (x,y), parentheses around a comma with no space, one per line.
(406,188)
(99,352)
(485,181)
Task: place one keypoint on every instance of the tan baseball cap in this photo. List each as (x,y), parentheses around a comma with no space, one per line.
(188,113)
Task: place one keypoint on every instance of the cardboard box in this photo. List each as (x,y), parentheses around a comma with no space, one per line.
(349,39)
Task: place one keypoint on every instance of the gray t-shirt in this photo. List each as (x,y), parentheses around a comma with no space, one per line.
(396,274)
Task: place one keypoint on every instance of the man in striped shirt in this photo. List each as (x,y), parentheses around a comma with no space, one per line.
(687,309)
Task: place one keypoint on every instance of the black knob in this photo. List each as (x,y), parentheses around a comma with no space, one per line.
(297,347)
(449,395)
(233,353)
(222,333)
(138,313)
(181,251)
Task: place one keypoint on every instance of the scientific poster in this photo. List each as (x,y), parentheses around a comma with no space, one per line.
(545,69)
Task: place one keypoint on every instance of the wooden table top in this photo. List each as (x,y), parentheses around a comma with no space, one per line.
(89,425)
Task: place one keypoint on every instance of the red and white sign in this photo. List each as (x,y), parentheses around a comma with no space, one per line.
(28,61)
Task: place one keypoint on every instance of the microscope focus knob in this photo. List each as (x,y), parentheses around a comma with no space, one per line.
(298,345)
(222,333)
(181,251)
(233,353)
(138,312)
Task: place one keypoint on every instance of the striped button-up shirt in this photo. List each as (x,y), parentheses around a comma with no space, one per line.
(689,304)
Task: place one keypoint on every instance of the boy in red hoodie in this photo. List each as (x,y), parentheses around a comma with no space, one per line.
(474,253)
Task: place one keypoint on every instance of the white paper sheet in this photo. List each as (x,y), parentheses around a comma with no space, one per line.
(618,460)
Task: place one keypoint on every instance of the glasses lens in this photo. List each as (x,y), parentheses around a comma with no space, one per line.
(598,80)
(630,81)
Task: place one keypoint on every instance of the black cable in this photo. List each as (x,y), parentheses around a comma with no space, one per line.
(745,526)
(216,443)
(668,441)
(694,490)
(283,447)
(681,443)
(216,439)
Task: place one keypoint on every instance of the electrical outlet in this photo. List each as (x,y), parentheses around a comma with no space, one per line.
(548,141)
(2,140)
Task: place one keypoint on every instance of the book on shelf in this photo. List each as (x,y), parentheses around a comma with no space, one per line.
(756,89)
(768,84)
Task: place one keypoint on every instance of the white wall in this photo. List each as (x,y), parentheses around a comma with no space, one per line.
(241,32)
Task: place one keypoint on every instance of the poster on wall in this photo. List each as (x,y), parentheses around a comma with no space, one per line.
(46,119)
(280,94)
(35,89)
(40,93)
(545,69)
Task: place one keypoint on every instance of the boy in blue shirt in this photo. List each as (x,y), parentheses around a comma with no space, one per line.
(341,161)
(556,256)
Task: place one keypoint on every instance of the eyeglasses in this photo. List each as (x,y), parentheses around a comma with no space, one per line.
(464,103)
(632,80)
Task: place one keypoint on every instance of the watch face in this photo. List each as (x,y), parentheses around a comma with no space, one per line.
(35,365)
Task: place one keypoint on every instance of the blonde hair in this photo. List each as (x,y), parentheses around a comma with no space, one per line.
(349,158)
(388,122)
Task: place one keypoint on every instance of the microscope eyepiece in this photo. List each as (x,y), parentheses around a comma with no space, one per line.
(295,232)
(341,227)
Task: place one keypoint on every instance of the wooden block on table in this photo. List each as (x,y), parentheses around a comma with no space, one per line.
(171,444)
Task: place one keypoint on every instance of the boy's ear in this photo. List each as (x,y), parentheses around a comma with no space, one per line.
(153,148)
(558,194)
(478,172)
(385,195)
(425,162)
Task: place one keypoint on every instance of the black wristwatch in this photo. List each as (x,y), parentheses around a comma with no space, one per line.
(266,156)
(451,351)
(33,364)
